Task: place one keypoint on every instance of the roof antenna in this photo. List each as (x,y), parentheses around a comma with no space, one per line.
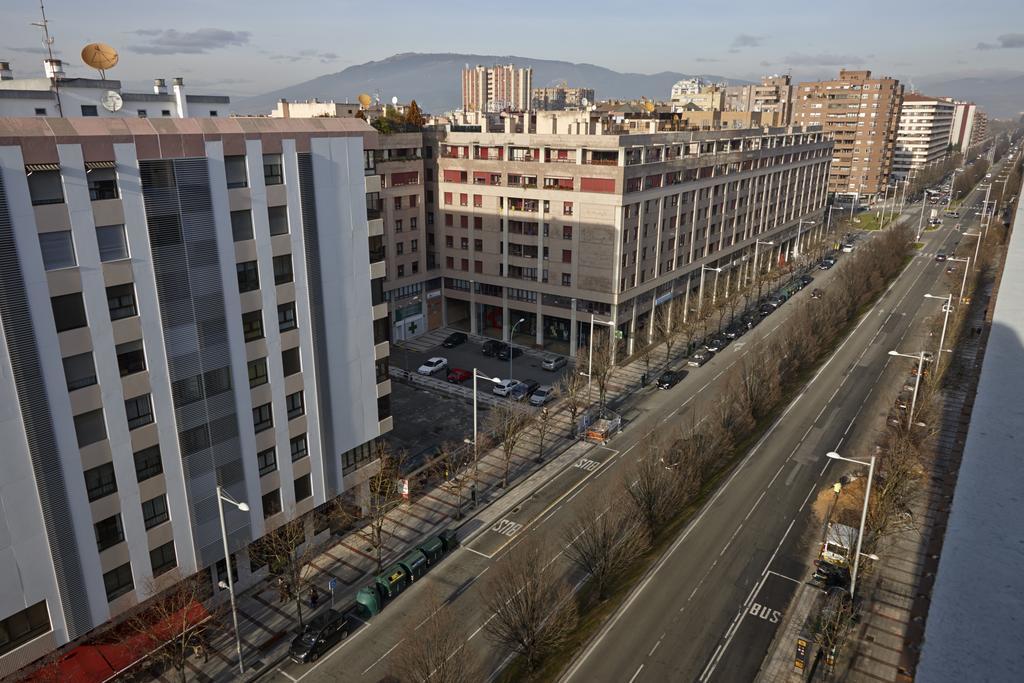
(48,43)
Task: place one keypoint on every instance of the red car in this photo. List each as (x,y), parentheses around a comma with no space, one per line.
(458,375)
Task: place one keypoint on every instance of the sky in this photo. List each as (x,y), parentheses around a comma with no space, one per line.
(250,47)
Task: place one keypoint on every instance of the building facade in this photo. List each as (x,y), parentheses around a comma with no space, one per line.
(773,98)
(923,135)
(562,97)
(554,217)
(313,108)
(502,87)
(56,95)
(862,114)
(183,305)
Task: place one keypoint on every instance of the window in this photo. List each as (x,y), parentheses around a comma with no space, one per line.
(415,266)
(139,411)
(79,371)
(100,481)
(40,111)
(401,270)
(398,203)
(478,245)
(121,301)
(58,250)
(399,248)
(130,357)
(89,110)
(413,203)
(283,269)
(213,113)
(217,381)
(241,225)
(384,407)
(286,317)
(68,311)
(45,187)
(271,503)
(382,370)
(267,461)
(414,246)
(567,256)
(102,183)
(299,447)
(29,623)
(566,232)
(118,581)
(398,225)
(187,390)
(109,532)
(290,361)
(154,511)
(278,216)
(142,114)
(273,171)
(262,417)
(252,325)
(112,242)
(248,276)
(412,223)
(381,331)
(303,488)
(194,439)
(165,112)
(90,428)
(162,559)
(566,280)
(257,372)
(148,463)
(234,169)
(478,222)
(296,404)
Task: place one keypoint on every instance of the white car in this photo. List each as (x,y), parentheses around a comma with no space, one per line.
(435,364)
(503,387)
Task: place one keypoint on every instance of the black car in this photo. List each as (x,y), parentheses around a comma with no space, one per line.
(827,263)
(735,330)
(700,357)
(524,389)
(670,378)
(715,343)
(454,339)
(750,320)
(508,351)
(321,633)
(806,280)
(766,310)
(491,347)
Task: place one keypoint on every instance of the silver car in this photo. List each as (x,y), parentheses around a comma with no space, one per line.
(544,394)
(553,362)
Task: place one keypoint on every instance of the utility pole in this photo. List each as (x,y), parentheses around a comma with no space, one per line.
(48,44)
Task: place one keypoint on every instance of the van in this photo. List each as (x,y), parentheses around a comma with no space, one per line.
(840,540)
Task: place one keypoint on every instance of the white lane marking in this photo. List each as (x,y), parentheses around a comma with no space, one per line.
(381,658)
(654,648)
(287,675)
(637,673)
(813,486)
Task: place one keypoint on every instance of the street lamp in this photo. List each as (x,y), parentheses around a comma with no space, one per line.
(977,245)
(476,451)
(947,308)
(225,497)
(967,268)
(919,357)
(863,514)
(767,244)
(700,294)
(796,252)
(590,352)
(511,335)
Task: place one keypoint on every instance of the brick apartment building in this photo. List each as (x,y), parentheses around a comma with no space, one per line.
(773,97)
(862,114)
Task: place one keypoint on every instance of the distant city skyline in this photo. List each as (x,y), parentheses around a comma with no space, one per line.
(244,49)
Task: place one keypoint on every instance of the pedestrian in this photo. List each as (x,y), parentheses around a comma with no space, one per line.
(472,494)
(314,597)
(282,590)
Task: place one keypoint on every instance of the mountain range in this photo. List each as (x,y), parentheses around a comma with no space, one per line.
(435,81)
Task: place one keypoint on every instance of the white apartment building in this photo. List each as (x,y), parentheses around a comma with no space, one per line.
(923,134)
(54,94)
(182,306)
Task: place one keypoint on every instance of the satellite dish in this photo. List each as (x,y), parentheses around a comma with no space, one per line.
(364,100)
(584,102)
(394,101)
(99,56)
(112,101)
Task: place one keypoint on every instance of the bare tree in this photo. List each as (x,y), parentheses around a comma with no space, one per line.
(543,422)
(603,541)
(175,624)
(508,422)
(288,554)
(832,624)
(533,612)
(571,388)
(603,368)
(432,652)
(451,466)
(654,492)
(668,325)
(383,495)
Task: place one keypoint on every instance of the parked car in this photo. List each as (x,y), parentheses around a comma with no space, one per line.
(544,394)
(847,248)
(454,339)
(735,330)
(504,387)
(700,357)
(775,301)
(523,389)
(491,347)
(553,362)
(806,280)
(320,634)
(508,351)
(432,365)
(940,257)
(716,343)
(827,574)
(670,378)
(766,310)
(458,375)
(827,263)
(750,320)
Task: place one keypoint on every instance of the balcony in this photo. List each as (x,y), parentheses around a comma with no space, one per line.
(374,208)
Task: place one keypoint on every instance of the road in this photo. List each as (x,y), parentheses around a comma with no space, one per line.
(457,583)
(710,607)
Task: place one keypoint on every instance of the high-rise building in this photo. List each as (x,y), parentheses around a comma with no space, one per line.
(182,305)
(979,133)
(709,98)
(772,97)
(553,217)
(54,94)
(502,87)
(923,134)
(862,114)
(561,97)
(965,119)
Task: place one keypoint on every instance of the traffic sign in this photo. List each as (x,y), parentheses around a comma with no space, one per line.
(332,584)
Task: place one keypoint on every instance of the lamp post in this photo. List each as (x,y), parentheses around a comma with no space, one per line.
(476,451)
(511,336)
(590,356)
(947,308)
(222,497)
(963,285)
(769,243)
(919,357)
(920,220)
(881,213)
(700,294)
(800,225)
(977,245)
(863,515)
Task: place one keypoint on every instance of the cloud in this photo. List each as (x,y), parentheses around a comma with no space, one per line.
(747,40)
(706,59)
(822,59)
(765,62)
(29,50)
(198,42)
(303,55)
(1007,41)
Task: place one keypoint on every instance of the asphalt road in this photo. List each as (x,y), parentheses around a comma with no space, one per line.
(719,561)
(710,608)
